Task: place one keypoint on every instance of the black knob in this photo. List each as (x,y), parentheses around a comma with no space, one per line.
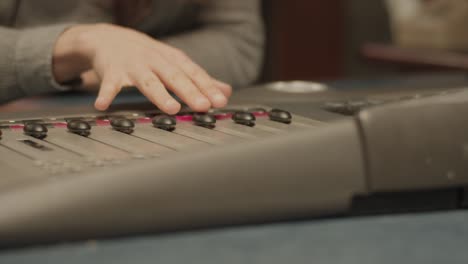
(353,107)
(123,125)
(244,118)
(281,116)
(204,120)
(35,130)
(335,107)
(165,122)
(347,107)
(79,127)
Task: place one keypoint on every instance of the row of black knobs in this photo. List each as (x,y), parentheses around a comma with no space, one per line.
(165,122)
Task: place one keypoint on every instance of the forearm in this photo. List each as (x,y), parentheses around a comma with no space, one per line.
(229,45)
(9,89)
(233,59)
(26,61)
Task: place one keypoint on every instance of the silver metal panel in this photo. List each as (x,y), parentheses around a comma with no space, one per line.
(275,127)
(300,120)
(13,159)
(128,143)
(204,134)
(16,169)
(46,157)
(14,140)
(86,147)
(246,132)
(167,139)
(211,188)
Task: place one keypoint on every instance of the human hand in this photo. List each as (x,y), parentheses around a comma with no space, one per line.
(114,57)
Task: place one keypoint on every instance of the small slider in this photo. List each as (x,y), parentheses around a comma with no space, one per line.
(204,120)
(281,116)
(164,122)
(79,127)
(123,125)
(244,118)
(35,130)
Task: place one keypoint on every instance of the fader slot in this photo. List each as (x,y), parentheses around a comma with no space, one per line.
(166,138)
(13,158)
(246,132)
(45,156)
(276,127)
(204,134)
(129,143)
(15,166)
(35,148)
(84,146)
(303,121)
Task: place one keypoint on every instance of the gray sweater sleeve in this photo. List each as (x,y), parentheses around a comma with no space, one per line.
(229,44)
(26,61)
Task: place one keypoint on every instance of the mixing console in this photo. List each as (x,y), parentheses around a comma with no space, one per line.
(78,174)
(63,146)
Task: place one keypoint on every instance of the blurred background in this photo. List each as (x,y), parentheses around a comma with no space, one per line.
(337,39)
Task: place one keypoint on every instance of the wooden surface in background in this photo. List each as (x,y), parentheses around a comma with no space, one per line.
(306,39)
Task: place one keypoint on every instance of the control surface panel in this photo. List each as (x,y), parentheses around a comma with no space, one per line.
(73,173)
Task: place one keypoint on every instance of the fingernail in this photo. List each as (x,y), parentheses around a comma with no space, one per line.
(100,103)
(172,106)
(202,102)
(219,99)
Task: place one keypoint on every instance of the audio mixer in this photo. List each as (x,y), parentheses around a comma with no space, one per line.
(280,151)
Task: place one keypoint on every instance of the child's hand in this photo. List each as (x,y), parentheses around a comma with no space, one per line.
(117,57)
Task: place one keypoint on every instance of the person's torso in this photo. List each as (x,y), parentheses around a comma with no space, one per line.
(165,17)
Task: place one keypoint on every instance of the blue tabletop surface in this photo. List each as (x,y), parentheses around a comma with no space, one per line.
(418,238)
